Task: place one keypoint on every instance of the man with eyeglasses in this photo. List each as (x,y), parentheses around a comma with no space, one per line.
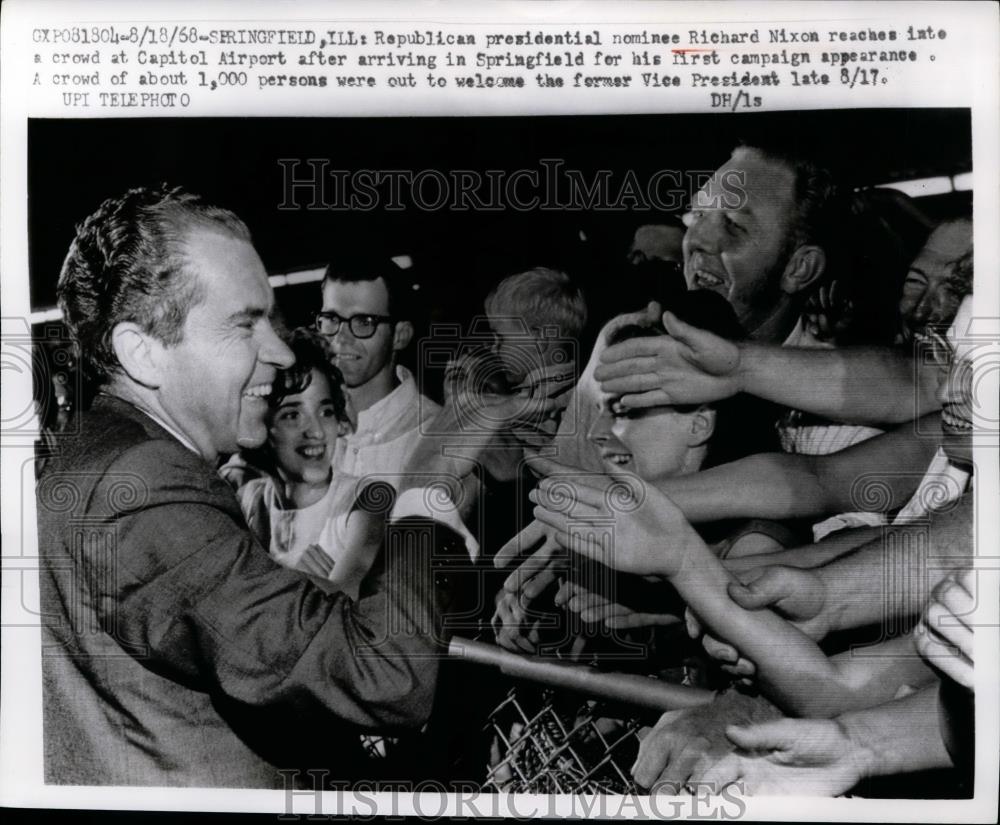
(364,319)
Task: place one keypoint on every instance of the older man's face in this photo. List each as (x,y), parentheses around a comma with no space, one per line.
(215,382)
(736,244)
(930,297)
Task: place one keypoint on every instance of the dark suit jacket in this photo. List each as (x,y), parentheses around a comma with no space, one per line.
(176,652)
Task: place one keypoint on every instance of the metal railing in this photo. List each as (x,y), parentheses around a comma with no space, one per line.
(565,727)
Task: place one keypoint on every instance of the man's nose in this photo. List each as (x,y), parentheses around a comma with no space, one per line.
(704,233)
(274,351)
(923,307)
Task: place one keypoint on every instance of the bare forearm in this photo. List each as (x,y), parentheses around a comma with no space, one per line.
(880,475)
(900,736)
(792,671)
(891,576)
(823,552)
(881,672)
(862,385)
(770,486)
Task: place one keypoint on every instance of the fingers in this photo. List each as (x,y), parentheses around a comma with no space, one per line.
(509,622)
(645,400)
(726,771)
(654,750)
(553,490)
(539,583)
(630,620)
(540,560)
(775,735)
(316,561)
(692,623)
(762,587)
(719,650)
(744,670)
(943,623)
(641,348)
(680,330)
(530,537)
(956,601)
(568,528)
(945,657)
(641,377)
(682,762)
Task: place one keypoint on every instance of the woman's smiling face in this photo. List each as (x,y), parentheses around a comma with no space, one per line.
(304,432)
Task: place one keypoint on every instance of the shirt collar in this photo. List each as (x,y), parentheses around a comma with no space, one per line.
(394,406)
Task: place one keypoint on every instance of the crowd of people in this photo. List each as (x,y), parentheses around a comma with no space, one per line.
(257,541)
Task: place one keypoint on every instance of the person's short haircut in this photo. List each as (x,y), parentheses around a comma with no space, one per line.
(818,202)
(311,353)
(128,263)
(352,267)
(541,297)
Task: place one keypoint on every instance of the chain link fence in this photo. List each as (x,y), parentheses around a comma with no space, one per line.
(568,728)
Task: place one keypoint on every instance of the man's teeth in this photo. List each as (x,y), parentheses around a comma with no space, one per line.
(313,452)
(258,391)
(955,422)
(619,458)
(707,278)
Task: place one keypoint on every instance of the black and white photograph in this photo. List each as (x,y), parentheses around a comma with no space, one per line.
(637,455)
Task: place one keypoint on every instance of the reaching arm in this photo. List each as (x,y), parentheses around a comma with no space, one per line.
(874,583)
(650,536)
(811,757)
(879,474)
(860,385)
(877,581)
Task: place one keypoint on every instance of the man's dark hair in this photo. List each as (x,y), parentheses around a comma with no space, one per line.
(353,267)
(127,263)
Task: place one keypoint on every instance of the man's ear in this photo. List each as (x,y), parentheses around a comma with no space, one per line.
(402,335)
(702,426)
(138,353)
(804,268)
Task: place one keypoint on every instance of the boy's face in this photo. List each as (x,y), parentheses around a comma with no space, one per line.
(304,431)
(518,348)
(653,443)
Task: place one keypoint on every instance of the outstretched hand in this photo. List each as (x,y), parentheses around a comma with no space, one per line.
(619,521)
(687,366)
(796,594)
(801,757)
(593,607)
(944,636)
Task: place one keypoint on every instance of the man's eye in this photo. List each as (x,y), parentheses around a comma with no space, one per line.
(328,412)
(290,415)
(732,225)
